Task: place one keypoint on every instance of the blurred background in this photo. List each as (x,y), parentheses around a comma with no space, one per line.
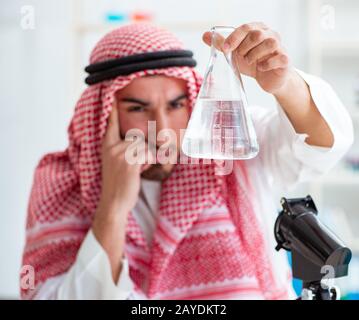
(45,45)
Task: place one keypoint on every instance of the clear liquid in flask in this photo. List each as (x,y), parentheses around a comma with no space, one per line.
(219,130)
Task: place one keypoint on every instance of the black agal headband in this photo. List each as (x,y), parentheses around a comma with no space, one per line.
(110,69)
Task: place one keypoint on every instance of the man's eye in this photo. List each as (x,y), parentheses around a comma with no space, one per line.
(136,109)
(177,105)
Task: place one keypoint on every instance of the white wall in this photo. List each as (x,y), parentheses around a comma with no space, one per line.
(35,107)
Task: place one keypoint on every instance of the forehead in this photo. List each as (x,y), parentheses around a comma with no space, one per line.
(154,85)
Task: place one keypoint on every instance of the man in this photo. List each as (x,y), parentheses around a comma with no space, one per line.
(101,227)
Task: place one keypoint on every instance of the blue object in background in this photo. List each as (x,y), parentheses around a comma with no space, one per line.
(297,284)
(113,16)
(351,296)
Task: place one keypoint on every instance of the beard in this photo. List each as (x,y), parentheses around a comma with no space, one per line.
(161,171)
(157,172)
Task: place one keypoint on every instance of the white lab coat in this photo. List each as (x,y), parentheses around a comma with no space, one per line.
(284,161)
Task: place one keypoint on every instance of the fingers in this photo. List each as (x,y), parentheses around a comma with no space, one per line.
(253,41)
(207,38)
(264,49)
(256,51)
(112,135)
(278,61)
(256,43)
(139,154)
(239,34)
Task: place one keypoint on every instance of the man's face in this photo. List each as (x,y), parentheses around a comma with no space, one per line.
(154,98)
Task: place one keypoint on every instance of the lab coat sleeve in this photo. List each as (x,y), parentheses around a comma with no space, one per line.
(89,277)
(285,155)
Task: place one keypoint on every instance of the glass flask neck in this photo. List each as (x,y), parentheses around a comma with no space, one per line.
(219,35)
(224,30)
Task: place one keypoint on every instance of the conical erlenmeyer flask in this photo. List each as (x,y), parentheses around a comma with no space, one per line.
(220,126)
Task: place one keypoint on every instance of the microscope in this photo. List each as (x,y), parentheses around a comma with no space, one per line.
(318,256)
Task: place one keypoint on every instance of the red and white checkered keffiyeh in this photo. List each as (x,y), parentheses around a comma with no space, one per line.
(67,185)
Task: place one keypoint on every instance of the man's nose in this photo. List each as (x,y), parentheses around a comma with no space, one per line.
(162,121)
(162,125)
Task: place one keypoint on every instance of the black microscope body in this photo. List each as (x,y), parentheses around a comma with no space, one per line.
(317,254)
